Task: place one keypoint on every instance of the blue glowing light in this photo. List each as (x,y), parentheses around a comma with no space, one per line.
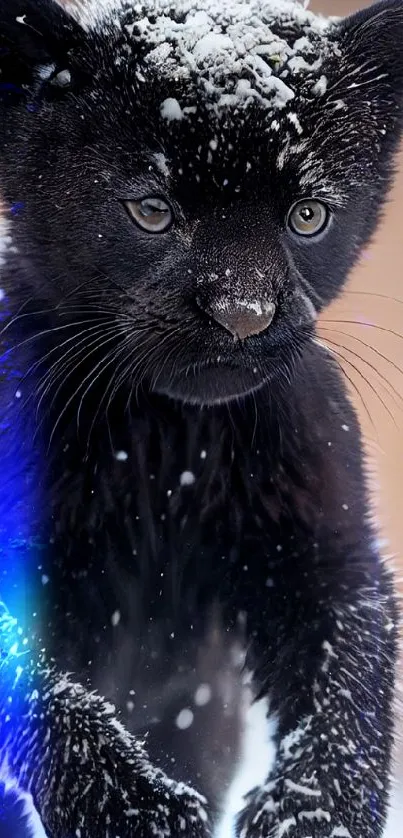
(17,207)
(18,817)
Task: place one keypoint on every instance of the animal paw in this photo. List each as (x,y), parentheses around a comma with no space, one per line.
(272,812)
(161,808)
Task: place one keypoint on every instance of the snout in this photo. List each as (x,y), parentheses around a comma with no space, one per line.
(242,317)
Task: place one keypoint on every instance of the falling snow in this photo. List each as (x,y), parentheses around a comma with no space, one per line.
(184,719)
(122,456)
(187,478)
(115,619)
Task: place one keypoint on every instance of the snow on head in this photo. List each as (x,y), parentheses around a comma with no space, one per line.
(231,54)
(171,109)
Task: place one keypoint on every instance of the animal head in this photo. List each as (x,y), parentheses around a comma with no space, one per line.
(193,179)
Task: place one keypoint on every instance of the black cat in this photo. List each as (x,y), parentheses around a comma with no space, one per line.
(185,186)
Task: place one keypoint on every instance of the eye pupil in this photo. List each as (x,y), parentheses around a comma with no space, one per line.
(148,208)
(307,214)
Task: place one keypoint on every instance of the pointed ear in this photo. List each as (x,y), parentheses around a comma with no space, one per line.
(33,33)
(371,43)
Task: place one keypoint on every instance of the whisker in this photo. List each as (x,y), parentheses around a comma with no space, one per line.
(155,357)
(108,359)
(361,374)
(168,337)
(364,325)
(81,384)
(112,357)
(375,369)
(114,384)
(368,346)
(45,357)
(122,376)
(48,331)
(350,380)
(68,365)
(61,363)
(30,299)
(375,294)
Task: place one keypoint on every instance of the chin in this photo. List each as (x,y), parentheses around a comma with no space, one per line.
(210,384)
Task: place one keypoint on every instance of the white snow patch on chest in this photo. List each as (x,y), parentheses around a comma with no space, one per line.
(257,757)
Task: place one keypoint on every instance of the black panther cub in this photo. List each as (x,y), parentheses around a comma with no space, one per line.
(185,185)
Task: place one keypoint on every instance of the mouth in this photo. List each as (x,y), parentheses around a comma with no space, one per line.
(212,368)
(212,382)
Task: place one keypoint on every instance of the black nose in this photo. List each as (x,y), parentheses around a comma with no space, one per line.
(242,318)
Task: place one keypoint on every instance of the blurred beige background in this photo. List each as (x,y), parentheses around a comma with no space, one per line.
(374,298)
(380,273)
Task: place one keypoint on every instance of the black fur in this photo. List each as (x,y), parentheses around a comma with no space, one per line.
(237,516)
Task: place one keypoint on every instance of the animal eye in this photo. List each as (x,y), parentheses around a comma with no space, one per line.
(308,218)
(151,214)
